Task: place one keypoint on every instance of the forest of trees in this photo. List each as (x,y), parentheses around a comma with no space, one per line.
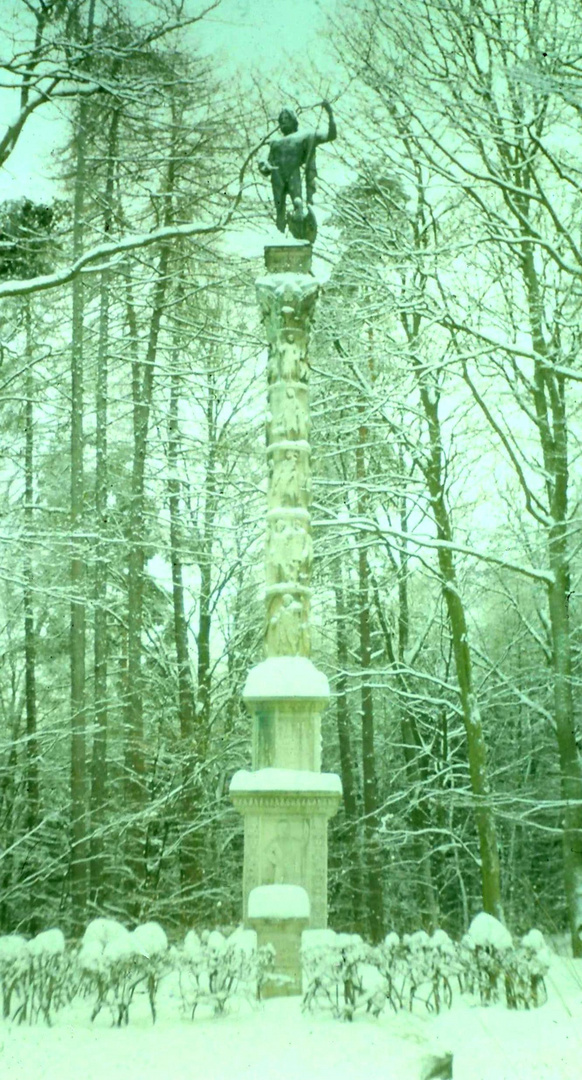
(446,438)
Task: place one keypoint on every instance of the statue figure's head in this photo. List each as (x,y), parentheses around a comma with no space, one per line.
(288,122)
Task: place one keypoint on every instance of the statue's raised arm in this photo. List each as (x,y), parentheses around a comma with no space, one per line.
(319,136)
(289,152)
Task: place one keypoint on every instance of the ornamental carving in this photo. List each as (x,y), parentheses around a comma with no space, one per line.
(289,552)
(288,416)
(287,631)
(289,477)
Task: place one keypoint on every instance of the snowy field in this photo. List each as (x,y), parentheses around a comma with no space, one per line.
(275,1041)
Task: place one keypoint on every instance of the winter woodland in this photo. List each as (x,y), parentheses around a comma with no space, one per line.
(446,437)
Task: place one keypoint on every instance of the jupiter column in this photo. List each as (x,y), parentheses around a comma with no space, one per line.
(285,799)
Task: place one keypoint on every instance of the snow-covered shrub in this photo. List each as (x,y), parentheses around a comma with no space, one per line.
(493,965)
(152,958)
(42,977)
(14,963)
(49,974)
(525,967)
(432,964)
(416,949)
(486,950)
(215,969)
(335,966)
(389,958)
(417,968)
(114,963)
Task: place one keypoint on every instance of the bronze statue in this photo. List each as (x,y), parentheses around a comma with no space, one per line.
(287,156)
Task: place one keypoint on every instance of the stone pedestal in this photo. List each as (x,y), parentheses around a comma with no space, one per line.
(285,843)
(285,800)
(279,915)
(285,937)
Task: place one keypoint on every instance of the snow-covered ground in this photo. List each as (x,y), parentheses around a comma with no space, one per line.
(275,1041)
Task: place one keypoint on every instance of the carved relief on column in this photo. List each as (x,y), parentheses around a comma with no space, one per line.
(285,850)
(288,416)
(287,306)
(287,303)
(289,474)
(287,631)
(289,549)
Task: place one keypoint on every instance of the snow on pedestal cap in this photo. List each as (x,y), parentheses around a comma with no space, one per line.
(278,902)
(286,780)
(285,677)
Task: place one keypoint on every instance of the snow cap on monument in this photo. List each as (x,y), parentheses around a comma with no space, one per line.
(278,902)
(285,677)
(286,780)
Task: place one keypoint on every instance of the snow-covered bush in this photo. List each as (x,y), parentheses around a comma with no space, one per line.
(418,968)
(495,968)
(38,973)
(14,963)
(153,959)
(525,967)
(431,964)
(335,966)
(49,975)
(487,948)
(343,973)
(389,958)
(215,969)
(114,962)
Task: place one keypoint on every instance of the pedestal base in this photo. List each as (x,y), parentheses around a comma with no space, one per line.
(286,833)
(285,937)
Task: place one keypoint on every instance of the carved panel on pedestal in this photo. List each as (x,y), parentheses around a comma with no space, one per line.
(284,850)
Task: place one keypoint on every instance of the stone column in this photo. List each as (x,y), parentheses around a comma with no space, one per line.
(286,800)
(287,297)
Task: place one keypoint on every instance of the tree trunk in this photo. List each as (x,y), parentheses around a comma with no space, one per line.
(476,749)
(32,755)
(190,844)
(143,383)
(134,721)
(205,566)
(100,646)
(414,756)
(77,566)
(352,839)
(373,853)
(552,424)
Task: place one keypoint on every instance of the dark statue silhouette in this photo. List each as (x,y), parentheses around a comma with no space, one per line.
(288,154)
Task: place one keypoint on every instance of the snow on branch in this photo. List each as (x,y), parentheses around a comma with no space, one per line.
(366,525)
(101,254)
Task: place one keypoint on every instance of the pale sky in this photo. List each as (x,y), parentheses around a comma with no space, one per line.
(267,35)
